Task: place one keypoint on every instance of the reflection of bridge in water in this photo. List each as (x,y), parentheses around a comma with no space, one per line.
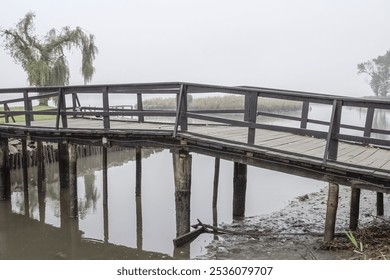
(24,237)
(331,153)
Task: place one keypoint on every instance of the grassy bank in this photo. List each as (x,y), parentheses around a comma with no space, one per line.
(224,102)
(21,118)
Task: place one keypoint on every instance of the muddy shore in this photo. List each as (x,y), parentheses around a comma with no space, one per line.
(295,232)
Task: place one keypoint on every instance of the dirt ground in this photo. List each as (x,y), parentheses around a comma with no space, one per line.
(296,232)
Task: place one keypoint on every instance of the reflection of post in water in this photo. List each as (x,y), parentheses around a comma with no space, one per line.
(138,171)
(24,165)
(69,227)
(182,161)
(41,180)
(5,183)
(138,199)
(26,199)
(67,160)
(105,195)
(72,151)
(138,205)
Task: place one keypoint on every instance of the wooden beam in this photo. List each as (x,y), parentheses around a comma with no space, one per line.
(331,211)
(182,162)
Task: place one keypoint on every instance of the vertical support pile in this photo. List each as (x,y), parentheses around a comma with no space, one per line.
(331,212)
(216,181)
(140,107)
(250,115)
(354,211)
(182,162)
(5,184)
(239,190)
(379,204)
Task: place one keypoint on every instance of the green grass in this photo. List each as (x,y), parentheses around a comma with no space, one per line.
(229,102)
(21,118)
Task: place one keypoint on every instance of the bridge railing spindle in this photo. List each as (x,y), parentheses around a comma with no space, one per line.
(332,141)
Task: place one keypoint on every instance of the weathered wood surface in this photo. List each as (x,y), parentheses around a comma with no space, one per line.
(305,150)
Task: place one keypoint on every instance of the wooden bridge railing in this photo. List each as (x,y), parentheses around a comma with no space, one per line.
(251,115)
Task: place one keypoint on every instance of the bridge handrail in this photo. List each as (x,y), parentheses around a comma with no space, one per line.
(182,112)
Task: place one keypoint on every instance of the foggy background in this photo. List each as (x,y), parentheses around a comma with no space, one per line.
(301,45)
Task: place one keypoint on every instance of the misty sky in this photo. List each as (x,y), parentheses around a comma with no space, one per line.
(302,45)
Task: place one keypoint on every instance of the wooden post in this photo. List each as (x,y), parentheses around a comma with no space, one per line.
(105,177)
(239,190)
(250,114)
(369,121)
(138,205)
(27,114)
(182,162)
(106,109)
(332,143)
(379,204)
(354,211)
(24,165)
(216,181)
(183,109)
(105,196)
(73,180)
(140,108)
(138,171)
(331,211)
(63,162)
(5,183)
(305,114)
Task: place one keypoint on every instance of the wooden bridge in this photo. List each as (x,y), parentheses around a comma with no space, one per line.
(323,149)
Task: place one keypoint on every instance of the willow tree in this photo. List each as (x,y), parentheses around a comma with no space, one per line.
(43,59)
(379,71)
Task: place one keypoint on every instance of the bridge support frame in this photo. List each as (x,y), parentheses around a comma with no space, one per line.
(239,190)
(331,212)
(182,163)
(5,183)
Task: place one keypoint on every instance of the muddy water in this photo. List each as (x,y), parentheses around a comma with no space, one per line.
(31,225)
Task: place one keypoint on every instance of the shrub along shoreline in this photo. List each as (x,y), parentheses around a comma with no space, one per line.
(229,102)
